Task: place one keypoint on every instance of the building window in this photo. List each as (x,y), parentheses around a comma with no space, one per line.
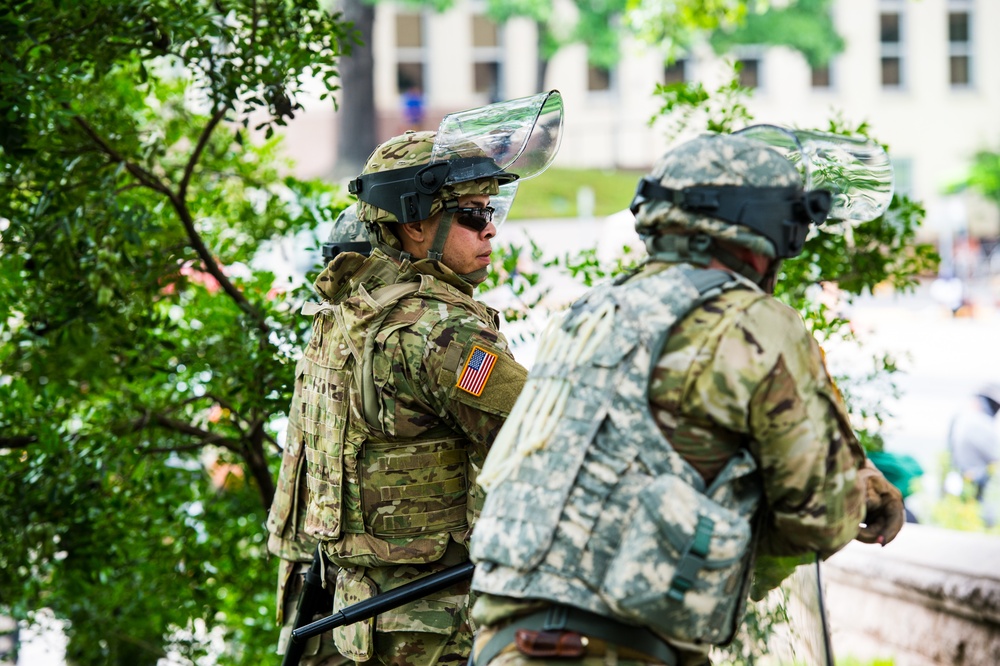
(820,77)
(486,57)
(891,42)
(749,74)
(409,31)
(486,78)
(410,53)
(409,76)
(598,78)
(675,72)
(959,45)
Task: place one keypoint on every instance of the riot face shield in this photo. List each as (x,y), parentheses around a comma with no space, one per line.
(520,136)
(855,170)
(505,141)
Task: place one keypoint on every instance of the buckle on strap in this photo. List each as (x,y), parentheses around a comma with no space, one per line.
(559,617)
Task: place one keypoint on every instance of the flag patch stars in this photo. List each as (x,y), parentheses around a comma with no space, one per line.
(476,371)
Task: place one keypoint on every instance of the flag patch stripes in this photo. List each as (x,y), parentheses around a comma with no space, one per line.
(476,371)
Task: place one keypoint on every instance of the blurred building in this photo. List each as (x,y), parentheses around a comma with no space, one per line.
(922,73)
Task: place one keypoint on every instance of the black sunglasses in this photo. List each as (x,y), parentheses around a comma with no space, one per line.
(474,218)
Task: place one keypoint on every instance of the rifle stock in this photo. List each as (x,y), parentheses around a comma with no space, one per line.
(313,599)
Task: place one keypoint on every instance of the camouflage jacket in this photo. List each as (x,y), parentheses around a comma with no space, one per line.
(738,377)
(403,386)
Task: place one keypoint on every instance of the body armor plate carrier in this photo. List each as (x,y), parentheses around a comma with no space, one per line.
(588,504)
(373,499)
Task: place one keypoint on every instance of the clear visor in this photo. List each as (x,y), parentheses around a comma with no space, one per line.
(502,202)
(855,169)
(521,135)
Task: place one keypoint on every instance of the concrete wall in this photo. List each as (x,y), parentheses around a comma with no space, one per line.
(929,598)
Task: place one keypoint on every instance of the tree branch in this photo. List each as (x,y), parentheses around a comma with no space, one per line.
(18,441)
(145,177)
(198,150)
(174,449)
(256,460)
(185,428)
(212,267)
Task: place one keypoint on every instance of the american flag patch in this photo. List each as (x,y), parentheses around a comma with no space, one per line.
(476,371)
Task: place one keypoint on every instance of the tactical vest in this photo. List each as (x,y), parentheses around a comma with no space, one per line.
(372,499)
(588,504)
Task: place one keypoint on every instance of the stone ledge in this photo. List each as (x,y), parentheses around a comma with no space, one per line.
(929,598)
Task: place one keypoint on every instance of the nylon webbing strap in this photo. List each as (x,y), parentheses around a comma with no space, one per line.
(707,279)
(566,618)
(386,297)
(692,560)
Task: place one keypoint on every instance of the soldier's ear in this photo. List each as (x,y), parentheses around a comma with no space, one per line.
(417,237)
(415,232)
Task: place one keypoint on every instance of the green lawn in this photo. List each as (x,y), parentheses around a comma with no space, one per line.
(555,192)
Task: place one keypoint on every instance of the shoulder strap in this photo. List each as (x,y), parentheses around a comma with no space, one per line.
(386,297)
(707,279)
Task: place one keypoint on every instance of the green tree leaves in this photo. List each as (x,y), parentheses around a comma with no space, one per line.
(143,361)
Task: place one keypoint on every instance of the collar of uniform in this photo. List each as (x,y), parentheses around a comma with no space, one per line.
(339,279)
(438,270)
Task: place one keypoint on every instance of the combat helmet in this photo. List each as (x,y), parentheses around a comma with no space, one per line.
(726,188)
(763,188)
(347,235)
(486,150)
(406,180)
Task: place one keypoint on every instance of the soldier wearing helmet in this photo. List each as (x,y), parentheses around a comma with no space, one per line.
(348,235)
(679,423)
(404,384)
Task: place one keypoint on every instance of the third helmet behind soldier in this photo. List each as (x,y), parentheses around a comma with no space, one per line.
(348,234)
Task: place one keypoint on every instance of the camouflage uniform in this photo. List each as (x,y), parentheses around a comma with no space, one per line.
(385,440)
(738,375)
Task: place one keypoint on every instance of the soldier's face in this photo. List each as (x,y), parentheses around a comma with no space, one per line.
(466,249)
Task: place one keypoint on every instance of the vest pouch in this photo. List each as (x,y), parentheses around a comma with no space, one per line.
(414,489)
(681,564)
(354,641)
(323,399)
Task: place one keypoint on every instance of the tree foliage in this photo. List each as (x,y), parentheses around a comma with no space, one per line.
(803,25)
(984,175)
(143,359)
(676,24)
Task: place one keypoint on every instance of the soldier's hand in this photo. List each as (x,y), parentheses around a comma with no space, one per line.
(884,503)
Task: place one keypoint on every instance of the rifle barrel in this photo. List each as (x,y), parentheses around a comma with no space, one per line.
(394,598)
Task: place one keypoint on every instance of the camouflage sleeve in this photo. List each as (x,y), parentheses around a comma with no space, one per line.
(475,381)
(799,429)
(472,381)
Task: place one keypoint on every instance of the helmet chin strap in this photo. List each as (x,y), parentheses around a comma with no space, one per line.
(436,250)
(376,239)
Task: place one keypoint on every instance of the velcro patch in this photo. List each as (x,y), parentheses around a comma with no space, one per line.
(476,371)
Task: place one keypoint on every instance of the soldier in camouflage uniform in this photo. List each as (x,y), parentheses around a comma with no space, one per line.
(348,235)
(685,374)
(405,382)
(293,547)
